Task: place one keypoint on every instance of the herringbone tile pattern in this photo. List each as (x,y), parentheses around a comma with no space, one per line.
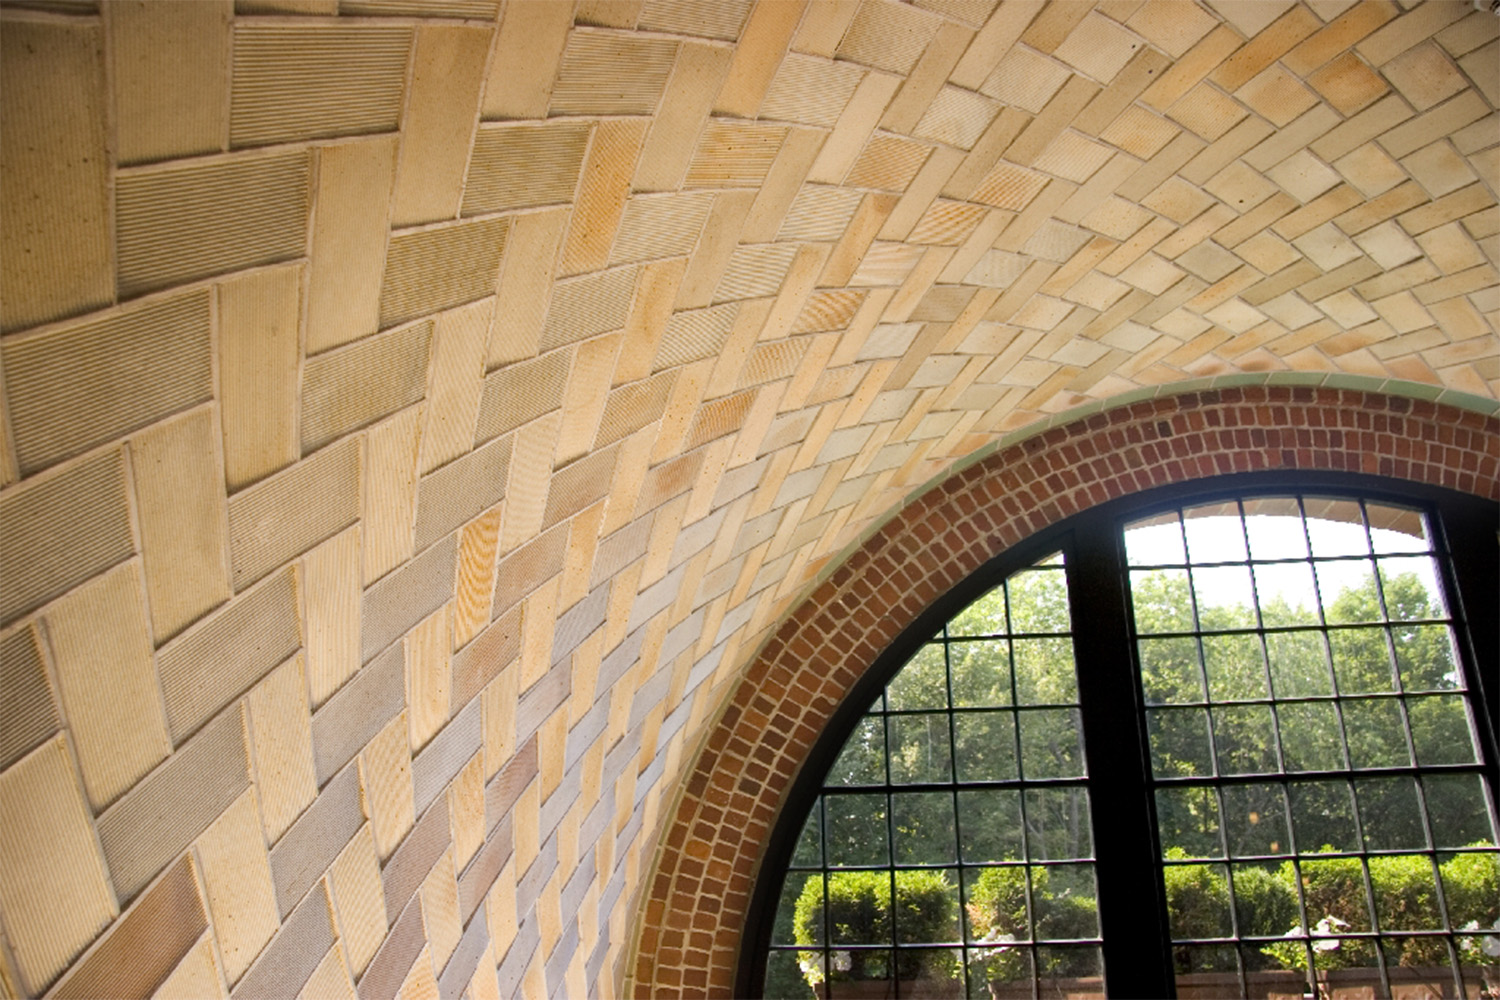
(416,413)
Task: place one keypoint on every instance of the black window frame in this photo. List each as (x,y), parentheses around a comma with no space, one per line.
(1137,951)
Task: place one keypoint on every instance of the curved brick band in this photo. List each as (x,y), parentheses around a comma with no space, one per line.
(711,851)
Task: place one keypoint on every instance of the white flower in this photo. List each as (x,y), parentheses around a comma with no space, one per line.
(843,961)
(1326,928)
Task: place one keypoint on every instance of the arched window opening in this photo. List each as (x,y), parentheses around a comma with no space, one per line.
(1235,744)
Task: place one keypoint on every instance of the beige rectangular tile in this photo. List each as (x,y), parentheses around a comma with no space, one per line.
(296,950)
(281,746)
(331,586)
(56,259)
(330,980)
(180,222)
(216,660)
(602,192)
(927,77)
(588,385)
(80,385)
(309,847)
(442,107)
(854,126)
(440,909)
(461,490)
(282,517)
(359,899)
(428,270)
(995,39)
(349,223)
(258,360)
(525,164)
(734,154)
(720,19)
(28,712)
(102,649)
(527,51)
(164,813)
(823,26)
(760,50)
(237,877)
(53,886)
(530,472)
(309,79)
(722,233)
(782,184)
(889,36)
(526,285)
(611,73)
(141,949)
(428,649)
(466,811)
(696,77)
(420,982)
(457,378)
(356,713)
(810,91)
(196,977)
(171,83)
(394,606)
(389,498)
(661,226)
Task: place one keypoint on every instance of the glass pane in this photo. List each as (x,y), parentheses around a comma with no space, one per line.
(1377,735)
(857,830)
(1245,738)
(1390,815)
(1299,664)
(809,850)
(1155,541)
(1236,666)
(1225,597)
(1424,656)
(859,907)
(1418,966)
(853,970)
(1335,894)
(997,910)
(1310,736)
(1057,823)
(862,761)
(1440,730)
(1169,670)
(981,673)
(1255,820)
(809,925)
(1406,893)
(1265,900)
(1188,819)
(924,828)
(1044,672)
(920,748)
(1161,601)
(785,978)
(1038,601)
(986,746)
(1274,525)
(1179,742)
(989,822)
(1411,589)
(926,907)
(1398,529)
(1069,972)
(1063,901)
(1361,661)
(1214,533)
(922,683)
(930,972)
(1456,807)
(1286,594)
(1323,816)
(1197,901)
(1336,528)
(1347,588)
(1051,745)
(782,931)
(1471,888)
(985,616)
(1007,968)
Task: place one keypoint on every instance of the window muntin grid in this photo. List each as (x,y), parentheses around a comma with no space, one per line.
(1318,787)
(961,793)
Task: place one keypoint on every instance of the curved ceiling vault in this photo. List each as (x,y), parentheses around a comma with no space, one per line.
(417,414)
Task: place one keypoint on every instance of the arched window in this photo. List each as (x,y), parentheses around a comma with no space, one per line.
(1232,742)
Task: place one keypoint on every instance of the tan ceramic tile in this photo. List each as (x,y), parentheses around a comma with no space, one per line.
(602,192)
(697,76)
(330,980)
(389,496)
(180,498)
(466,811)
(525,58)
(854,127)
(440,909)
(331,586)
(258,361)
(1099,47)
(101,645)
(436,126)
(457,369)
(476,571)
(237,877)
(350,212)
(281,744)
(526,285)
(1439,169)
(420,982)
(53,884)
(197,976)
(611,73)
(171,81)
(359,899)
(385,774)
(428,649)
(56,260)
(761,48)
(1171,25)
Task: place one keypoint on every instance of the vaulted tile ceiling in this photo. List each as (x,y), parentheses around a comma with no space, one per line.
(417,413)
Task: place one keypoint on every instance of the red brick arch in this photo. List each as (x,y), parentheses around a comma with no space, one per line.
(711,851)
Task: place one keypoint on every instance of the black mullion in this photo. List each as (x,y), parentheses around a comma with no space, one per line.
(1015,731)
(1364,867)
